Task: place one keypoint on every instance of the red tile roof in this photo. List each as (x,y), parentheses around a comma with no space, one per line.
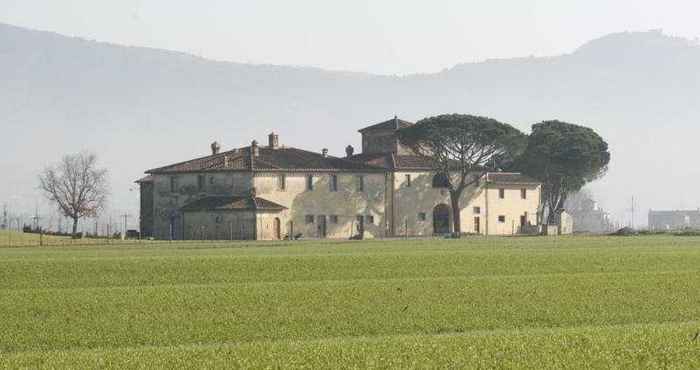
(229,203)
(145,180)
(510,178)
(268,159)
(388,125)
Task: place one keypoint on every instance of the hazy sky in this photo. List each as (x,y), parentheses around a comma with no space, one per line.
(380,36)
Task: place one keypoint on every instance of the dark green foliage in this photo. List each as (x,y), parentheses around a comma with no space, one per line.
(462,148)
(564,157)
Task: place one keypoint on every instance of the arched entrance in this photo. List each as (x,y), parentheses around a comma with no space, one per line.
(441,219)
(278,228)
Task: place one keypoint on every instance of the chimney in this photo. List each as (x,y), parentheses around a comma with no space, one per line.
(215,147)
(254,149)
(349,151)
(325,153)
(274,140)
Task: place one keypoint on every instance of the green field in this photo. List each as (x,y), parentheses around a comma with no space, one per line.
(472,303)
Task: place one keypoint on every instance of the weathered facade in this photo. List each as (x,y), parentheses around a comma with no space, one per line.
(273,192)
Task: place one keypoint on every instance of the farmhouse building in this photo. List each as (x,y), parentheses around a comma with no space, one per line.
(272,192)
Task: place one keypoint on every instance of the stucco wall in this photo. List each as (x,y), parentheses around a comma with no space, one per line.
(219,225)
(167,204)
(147,218)
(512,207)
(421,197)
(346,204)
(383,141)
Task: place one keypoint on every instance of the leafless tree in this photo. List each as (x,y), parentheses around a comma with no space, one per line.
(77,187)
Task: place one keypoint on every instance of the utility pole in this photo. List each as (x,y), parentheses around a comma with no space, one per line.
(632,221)
(4,225)
(36,218)
(126,216)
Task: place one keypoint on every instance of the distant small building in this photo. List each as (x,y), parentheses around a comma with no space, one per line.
(563,225)
(566,223)
(674,220)
(590,218)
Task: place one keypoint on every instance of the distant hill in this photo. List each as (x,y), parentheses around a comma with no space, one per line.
(140,108)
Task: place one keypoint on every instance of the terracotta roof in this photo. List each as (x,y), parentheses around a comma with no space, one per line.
(510,178)
(390,161)
(412,162)
(280,159)
(388,125)
(228,203)
(382,160)
(144,180)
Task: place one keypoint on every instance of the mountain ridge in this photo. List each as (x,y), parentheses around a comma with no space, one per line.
(144,107)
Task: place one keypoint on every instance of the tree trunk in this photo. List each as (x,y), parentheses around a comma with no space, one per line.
(75,227)
(456,212)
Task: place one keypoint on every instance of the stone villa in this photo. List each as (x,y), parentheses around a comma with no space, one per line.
(272,192)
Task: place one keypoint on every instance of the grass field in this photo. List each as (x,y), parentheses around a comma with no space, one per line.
(473,303)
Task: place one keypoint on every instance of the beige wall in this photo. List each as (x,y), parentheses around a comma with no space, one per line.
(347,203)
(219,225)
(386,197)
(512,207)
(166,202)
(421,197)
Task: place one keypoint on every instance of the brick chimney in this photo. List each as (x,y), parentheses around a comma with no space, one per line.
(273,140)
(215,148)
(254,149)
(349,151)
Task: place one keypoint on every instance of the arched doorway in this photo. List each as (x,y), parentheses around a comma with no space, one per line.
(278,228)
(441,219)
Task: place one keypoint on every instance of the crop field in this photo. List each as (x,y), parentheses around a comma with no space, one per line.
(591,302)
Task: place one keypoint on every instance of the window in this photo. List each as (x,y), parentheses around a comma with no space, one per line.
(334,183)
(477,210)
(502,193)
(501,219)
(200,182)
(334,219)
(309,219)
(310,182)
(422,216)
(370,220)
(173,184)
(211,180)
(408,181)
(441,181)
(360,183)
(282,182)
(523,193)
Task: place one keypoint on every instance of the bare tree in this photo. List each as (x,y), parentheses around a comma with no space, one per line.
(77,187)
